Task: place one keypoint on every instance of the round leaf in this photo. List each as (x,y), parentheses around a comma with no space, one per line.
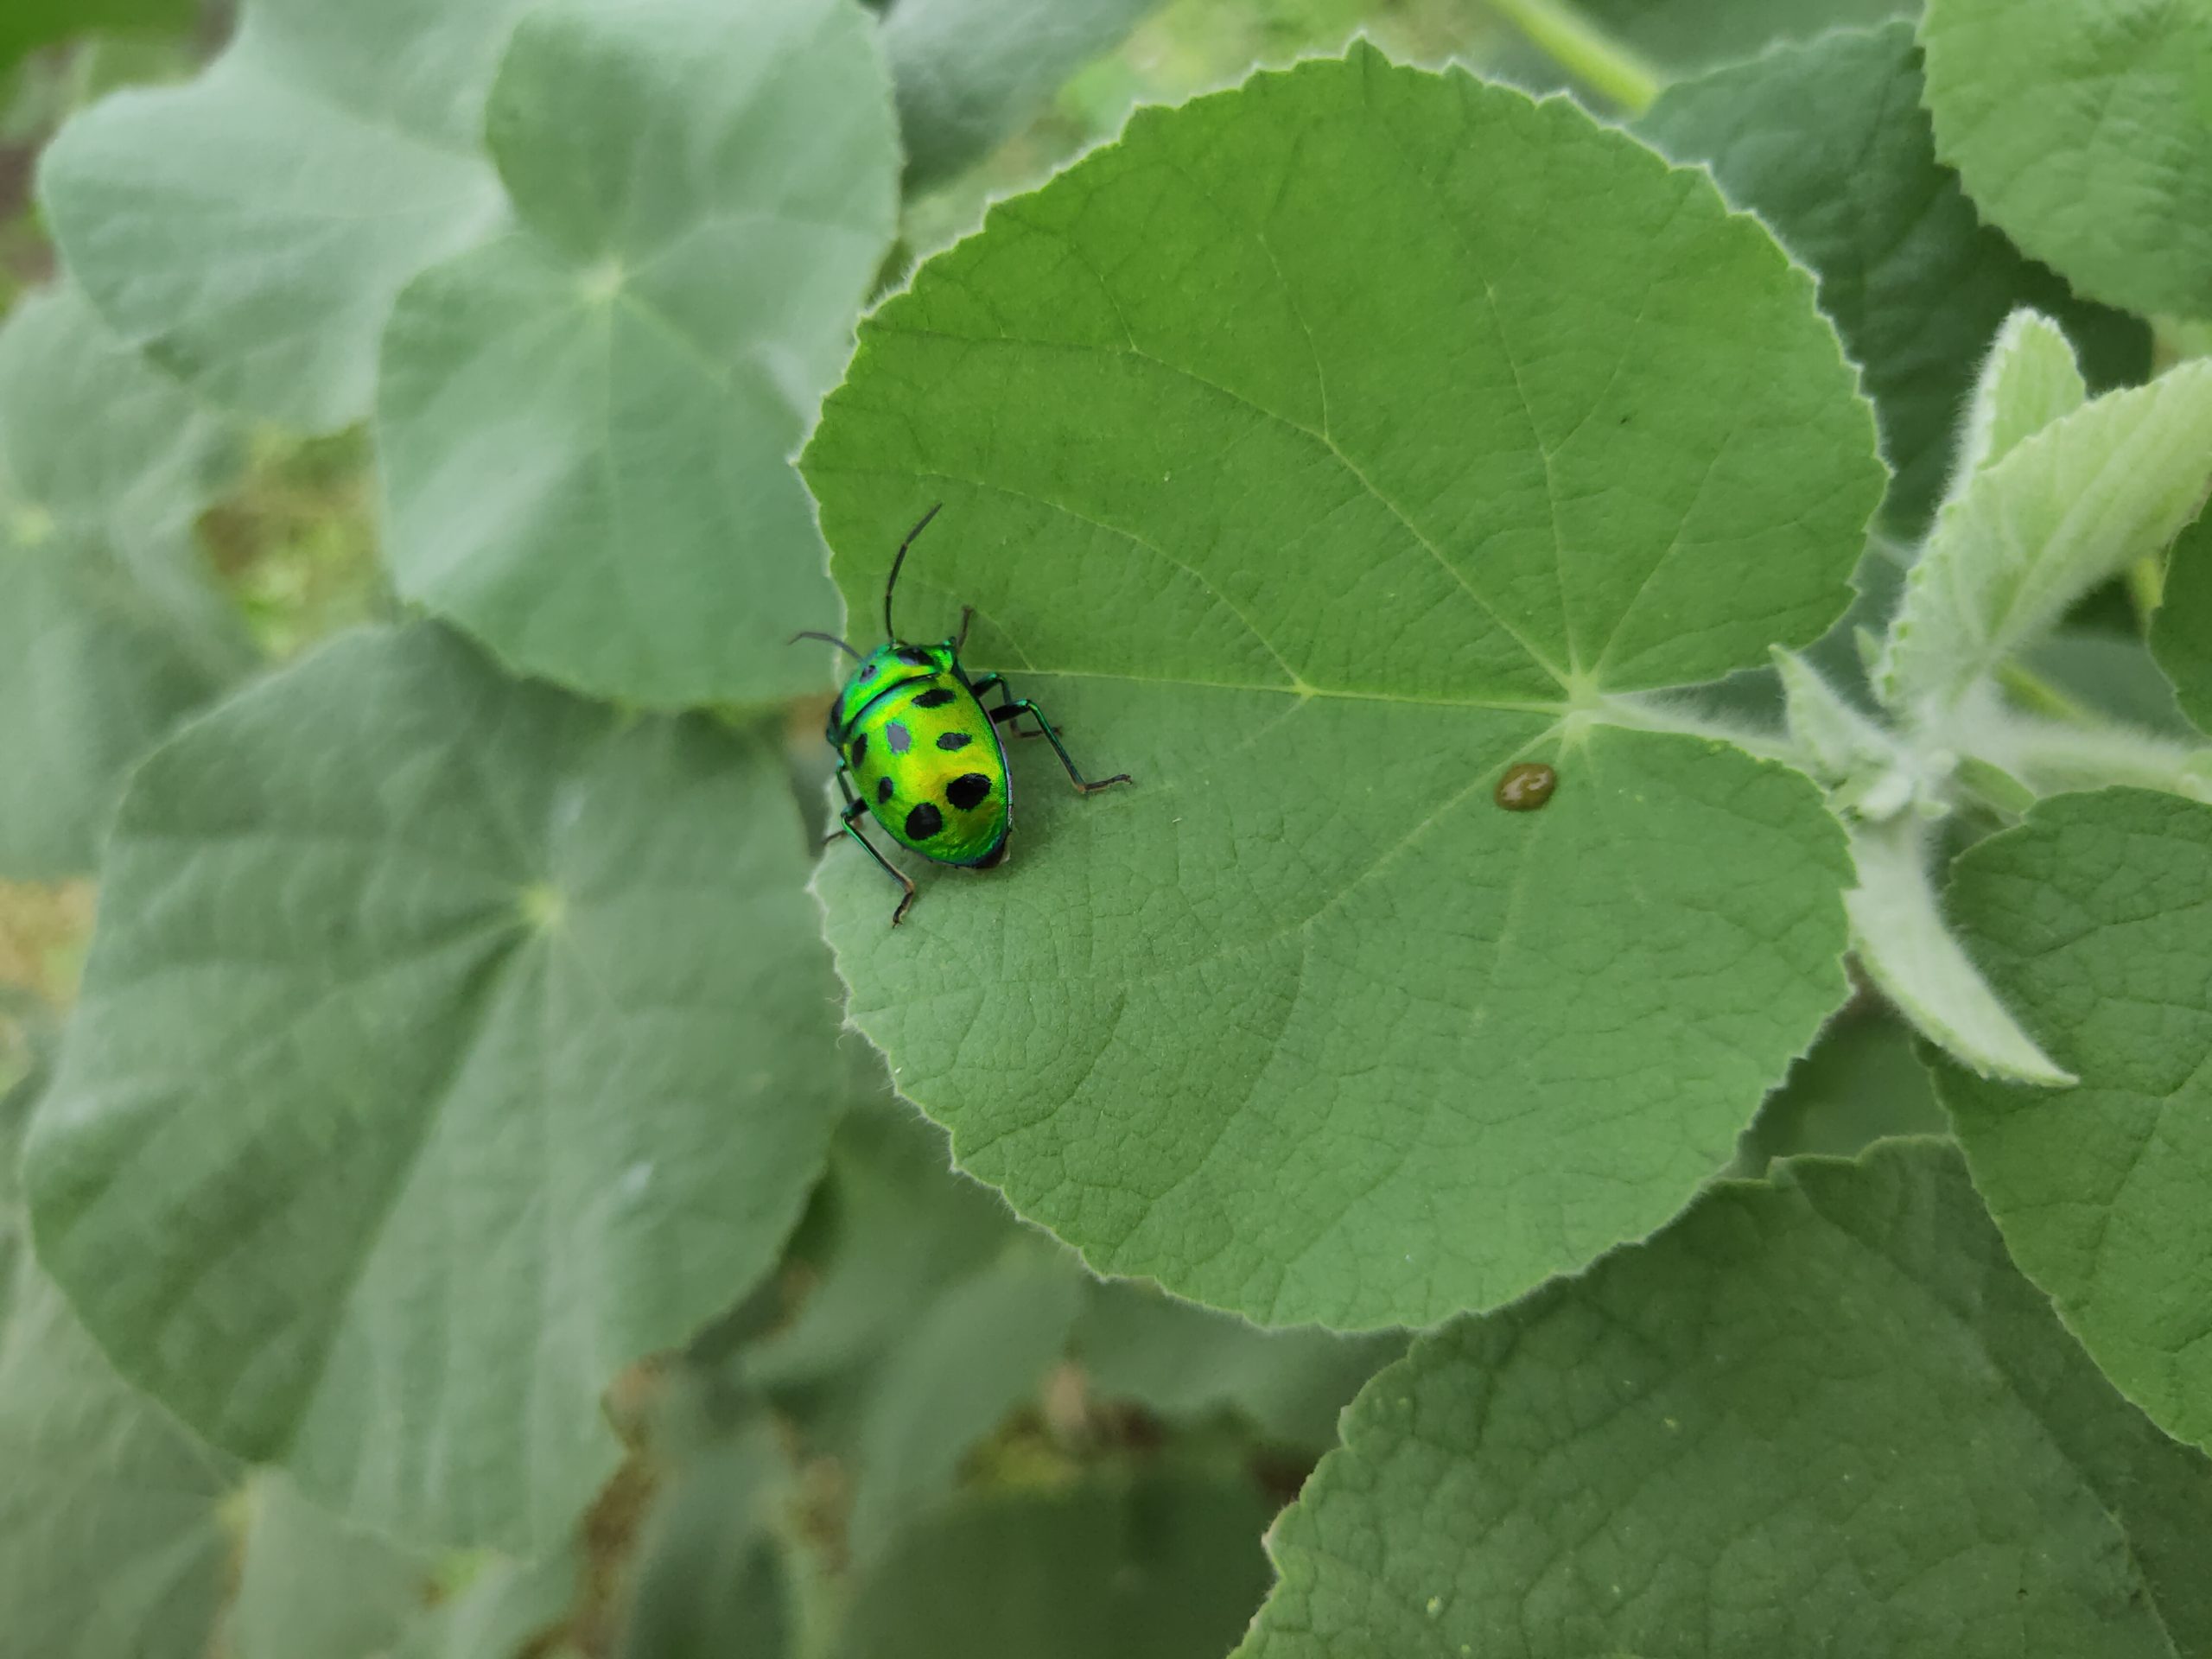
(251,228)
(445,1042)
(312,1585)
(2080,127)
(1825,1416)
(705,190)
(1305,458)
(1827,142)
(110,629)
(112,1536)
(2090,920)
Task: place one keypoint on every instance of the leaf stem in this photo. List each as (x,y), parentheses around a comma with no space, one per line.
(1588,53)
(2039,696)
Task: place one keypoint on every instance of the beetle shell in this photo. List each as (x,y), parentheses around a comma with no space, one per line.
(925,755)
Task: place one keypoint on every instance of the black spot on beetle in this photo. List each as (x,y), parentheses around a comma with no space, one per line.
(899,737)
(883,790)
(968,789)
(951,741)
(860,748)
(912,656)
(923,822)
(936,696)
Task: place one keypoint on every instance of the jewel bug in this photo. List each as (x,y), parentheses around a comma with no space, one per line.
(916,746)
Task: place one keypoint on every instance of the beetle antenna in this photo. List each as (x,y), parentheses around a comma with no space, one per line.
(827,639)
(892,580)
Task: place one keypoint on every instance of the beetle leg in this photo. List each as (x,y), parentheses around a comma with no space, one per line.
(845,819)
(1008,708)
(848,825)
(1084,786)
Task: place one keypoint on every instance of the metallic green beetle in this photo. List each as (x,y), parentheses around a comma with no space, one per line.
(916,746)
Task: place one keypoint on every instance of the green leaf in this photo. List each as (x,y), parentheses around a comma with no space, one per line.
(1165,1566)
(2079,127)
(979,1352)
(1861,1082)
(313,1586)
(970,72)
(705,190)
(2028,535)
(710,1580)
(2181,630)
(1183,1361)
(1898,930)
(443,1040)
(906,1228)
(1821,1416)
(504,1614)
(1349,469)
(109,631)
(113,1541)
(1826,141)
(251,229)
(2090,919)
(27,24)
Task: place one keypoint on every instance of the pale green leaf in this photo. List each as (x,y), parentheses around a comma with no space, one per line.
(1304,459)
(1824,1416)
(506,1613)
(585,424)
(311,1586)
(1184,1361)
(2027,536)
(113,1538)
(251,229)
(2030,380)
(110,629)
(444,1041)
(1827,142)
(1835,743)
(710,1580)
(1898,930)
(981,1350)
(904,1227)
(2180,630)
(968,72)
(1168,1567)
(2079,127)
(2091,919)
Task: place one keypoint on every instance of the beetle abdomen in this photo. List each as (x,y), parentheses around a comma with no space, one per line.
(928,762)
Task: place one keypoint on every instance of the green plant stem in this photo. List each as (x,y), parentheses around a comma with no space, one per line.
(1585,51)
(2039,696)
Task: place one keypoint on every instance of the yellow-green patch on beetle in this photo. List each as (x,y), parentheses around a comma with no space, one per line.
(916,747)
